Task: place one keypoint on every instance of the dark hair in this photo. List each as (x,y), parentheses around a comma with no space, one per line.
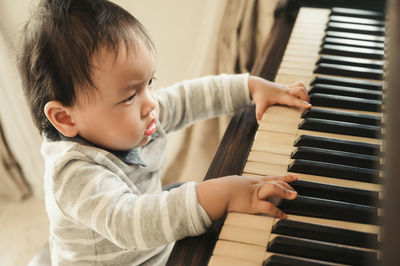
(58,42)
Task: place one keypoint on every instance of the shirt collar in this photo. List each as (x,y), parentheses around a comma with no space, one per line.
(131,156)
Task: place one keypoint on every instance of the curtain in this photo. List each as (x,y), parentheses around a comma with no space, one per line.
(12,184)
(20,160)
(243,33)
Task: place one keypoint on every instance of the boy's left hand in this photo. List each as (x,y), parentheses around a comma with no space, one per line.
(266,93)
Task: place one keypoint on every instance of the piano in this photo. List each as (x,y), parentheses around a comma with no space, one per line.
(339,148)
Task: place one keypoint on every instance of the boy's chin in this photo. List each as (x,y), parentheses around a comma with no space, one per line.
(144,141)
(130,146)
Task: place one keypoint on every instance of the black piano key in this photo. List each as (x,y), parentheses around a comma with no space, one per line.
(338,144)
(350,61)
(330,209)
(356,28)
(358,13)
(336,115)
(348,82)
(349,71)
(284,260)
(354,43)
(335,192)
(345,102)
(354,36)
(321,251)
(355,20)
(302,166)
(346,91)
(351,51)
(326,234)
(337,157)
(340,127)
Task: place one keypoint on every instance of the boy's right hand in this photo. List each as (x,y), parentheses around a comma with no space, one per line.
(245,194)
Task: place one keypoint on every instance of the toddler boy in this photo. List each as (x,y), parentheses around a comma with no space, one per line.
(87,68)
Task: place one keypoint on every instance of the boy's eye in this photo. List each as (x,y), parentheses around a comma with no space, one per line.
(151,81)
(130,98)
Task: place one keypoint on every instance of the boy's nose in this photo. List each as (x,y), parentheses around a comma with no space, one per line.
(149,103)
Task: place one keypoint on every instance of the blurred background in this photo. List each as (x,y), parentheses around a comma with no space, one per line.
(193,38)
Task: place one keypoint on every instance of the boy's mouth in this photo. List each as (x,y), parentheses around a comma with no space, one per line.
(151,128)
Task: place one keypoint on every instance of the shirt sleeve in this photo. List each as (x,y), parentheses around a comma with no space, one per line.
(94,196)
(210,96)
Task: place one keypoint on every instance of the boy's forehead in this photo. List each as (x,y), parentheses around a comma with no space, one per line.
(112,55)
(120,69)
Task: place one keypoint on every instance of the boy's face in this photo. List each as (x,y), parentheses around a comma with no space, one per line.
(123,110)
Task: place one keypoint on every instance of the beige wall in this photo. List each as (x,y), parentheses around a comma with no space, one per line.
(19,130)
(184,32)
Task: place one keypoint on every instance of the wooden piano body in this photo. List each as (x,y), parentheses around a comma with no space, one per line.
(235,146)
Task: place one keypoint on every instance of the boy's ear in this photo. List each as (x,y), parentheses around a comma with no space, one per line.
(60,117)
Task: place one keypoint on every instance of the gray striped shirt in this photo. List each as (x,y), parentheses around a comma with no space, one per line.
(108,208)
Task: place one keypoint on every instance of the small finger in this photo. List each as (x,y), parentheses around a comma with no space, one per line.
(298,84)
(268,208)
(283,181)
(294,101)
(284,184)
(260,110)
(275,190)
(300,92)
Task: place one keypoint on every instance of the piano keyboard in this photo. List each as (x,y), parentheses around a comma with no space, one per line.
(334,149)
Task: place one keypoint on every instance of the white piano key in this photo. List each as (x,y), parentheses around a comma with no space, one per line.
(265,222)
(276,148)
(281,119)
(217,260)
(284,111)
(289,71)
(240,251)
(269,158)
(245,235)
(258,222)
(289,79)
(269,254)
(264,169)
(292,129)
(296,65)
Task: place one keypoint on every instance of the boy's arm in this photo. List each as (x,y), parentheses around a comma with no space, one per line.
(93,196)
(210,96)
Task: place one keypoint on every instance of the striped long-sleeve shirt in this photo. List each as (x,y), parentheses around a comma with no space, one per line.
(108,208)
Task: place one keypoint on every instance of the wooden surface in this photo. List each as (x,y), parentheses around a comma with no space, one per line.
(391,236)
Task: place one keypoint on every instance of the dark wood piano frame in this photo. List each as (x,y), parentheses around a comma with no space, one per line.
(233,150)
(391,226)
